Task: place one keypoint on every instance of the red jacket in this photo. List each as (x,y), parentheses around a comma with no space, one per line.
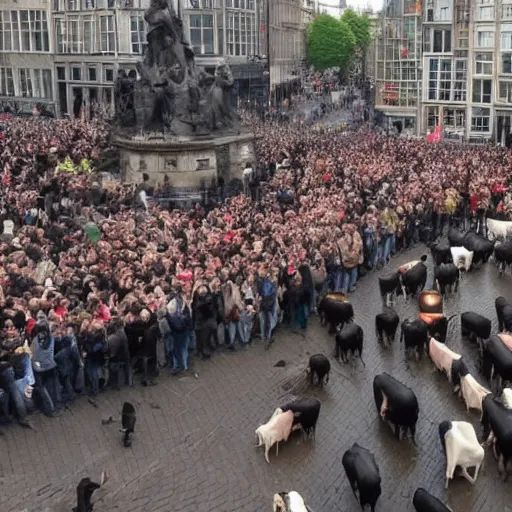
(473,203)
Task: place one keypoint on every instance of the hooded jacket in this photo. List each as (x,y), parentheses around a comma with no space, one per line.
(43,345)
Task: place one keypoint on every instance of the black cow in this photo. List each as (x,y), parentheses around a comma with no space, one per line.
(397,404)
(441,253)
(335,313)
(497,360)
(503,255)
(128,419)
(475,327)
(481,247)
(423,501)
(459,369)
(386,325)
(306,412)
(504,314)
(349,339)
(447,277)
(363,474)
(389,286)
(497,420)
(414,279)
(84,492)
(320,367)
(415,336)
(455,238)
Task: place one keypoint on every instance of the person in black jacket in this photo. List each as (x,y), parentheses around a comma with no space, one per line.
(118,353)
(205,319)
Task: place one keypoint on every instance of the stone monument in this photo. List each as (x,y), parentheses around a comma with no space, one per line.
(174,121)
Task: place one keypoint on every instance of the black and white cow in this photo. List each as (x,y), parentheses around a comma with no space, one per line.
(363,474)
(319,367)
(396,404)
(461,448)
(305,415)
(386,325)
(389,286)
(447,278)
(290,501)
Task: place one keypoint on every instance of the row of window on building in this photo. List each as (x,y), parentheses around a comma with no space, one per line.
(27,31)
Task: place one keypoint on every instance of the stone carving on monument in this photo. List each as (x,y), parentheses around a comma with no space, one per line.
(172,97)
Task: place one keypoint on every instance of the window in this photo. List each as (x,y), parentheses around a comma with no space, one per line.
(443,14)
(486,13)
(454,118)
(91,74)
(506,62)
(60,35)
(6,82)
(61,73)
(25,31)
(89,34)
(201,33)
(480,119)
(108,74)
(240,4)
(138,33)
(73,5)
(482,91)
(461,76)
(506,40)
(42,83)
(442,41)
(506,12)
(108,36)
(483,63)
(485,39)
(199,4)
(26,90)
(440,77)
(76,73)
(73,39)
(505,92)
(241,33)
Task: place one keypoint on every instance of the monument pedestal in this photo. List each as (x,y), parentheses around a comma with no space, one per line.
(188,162)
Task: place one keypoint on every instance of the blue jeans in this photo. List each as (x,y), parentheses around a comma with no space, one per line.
(231,328)
(245,327)
(167,340)
(180,351)
(94,372)
(8,384)
(48,389)
(387,244)
(372,248)
(349,279)
(192,340)
(338,279)
(266,320)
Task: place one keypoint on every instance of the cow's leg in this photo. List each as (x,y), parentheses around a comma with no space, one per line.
(277,448)
(267,449)
(384,407)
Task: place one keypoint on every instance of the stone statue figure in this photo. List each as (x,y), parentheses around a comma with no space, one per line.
(219,98)
(171,93)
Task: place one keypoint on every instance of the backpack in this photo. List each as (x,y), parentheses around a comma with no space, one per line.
(179,320)
(268,295)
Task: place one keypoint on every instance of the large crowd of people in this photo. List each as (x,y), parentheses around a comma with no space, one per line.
(92,281)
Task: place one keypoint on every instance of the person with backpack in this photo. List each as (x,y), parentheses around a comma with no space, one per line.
(267,291)
(180,323)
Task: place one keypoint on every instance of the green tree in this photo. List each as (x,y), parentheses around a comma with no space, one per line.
(361,26)
(330,43)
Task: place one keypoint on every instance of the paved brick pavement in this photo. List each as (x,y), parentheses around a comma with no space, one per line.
(194,449)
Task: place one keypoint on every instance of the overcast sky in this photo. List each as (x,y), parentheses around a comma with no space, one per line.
(374,4)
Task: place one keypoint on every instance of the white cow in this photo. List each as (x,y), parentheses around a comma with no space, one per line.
(442,357)
(289,502)
(506,398)
(461,449)
(472,392)
(499,229)
(462,258)
(277,429)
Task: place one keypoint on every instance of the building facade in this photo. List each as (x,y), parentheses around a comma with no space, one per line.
(26,55)
(446,63)
(66,54)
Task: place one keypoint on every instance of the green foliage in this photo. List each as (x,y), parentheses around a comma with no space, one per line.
(361,26)
(330,43)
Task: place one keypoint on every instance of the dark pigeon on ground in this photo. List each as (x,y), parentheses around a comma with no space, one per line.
(84,491)
(280,364)
(128,423)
